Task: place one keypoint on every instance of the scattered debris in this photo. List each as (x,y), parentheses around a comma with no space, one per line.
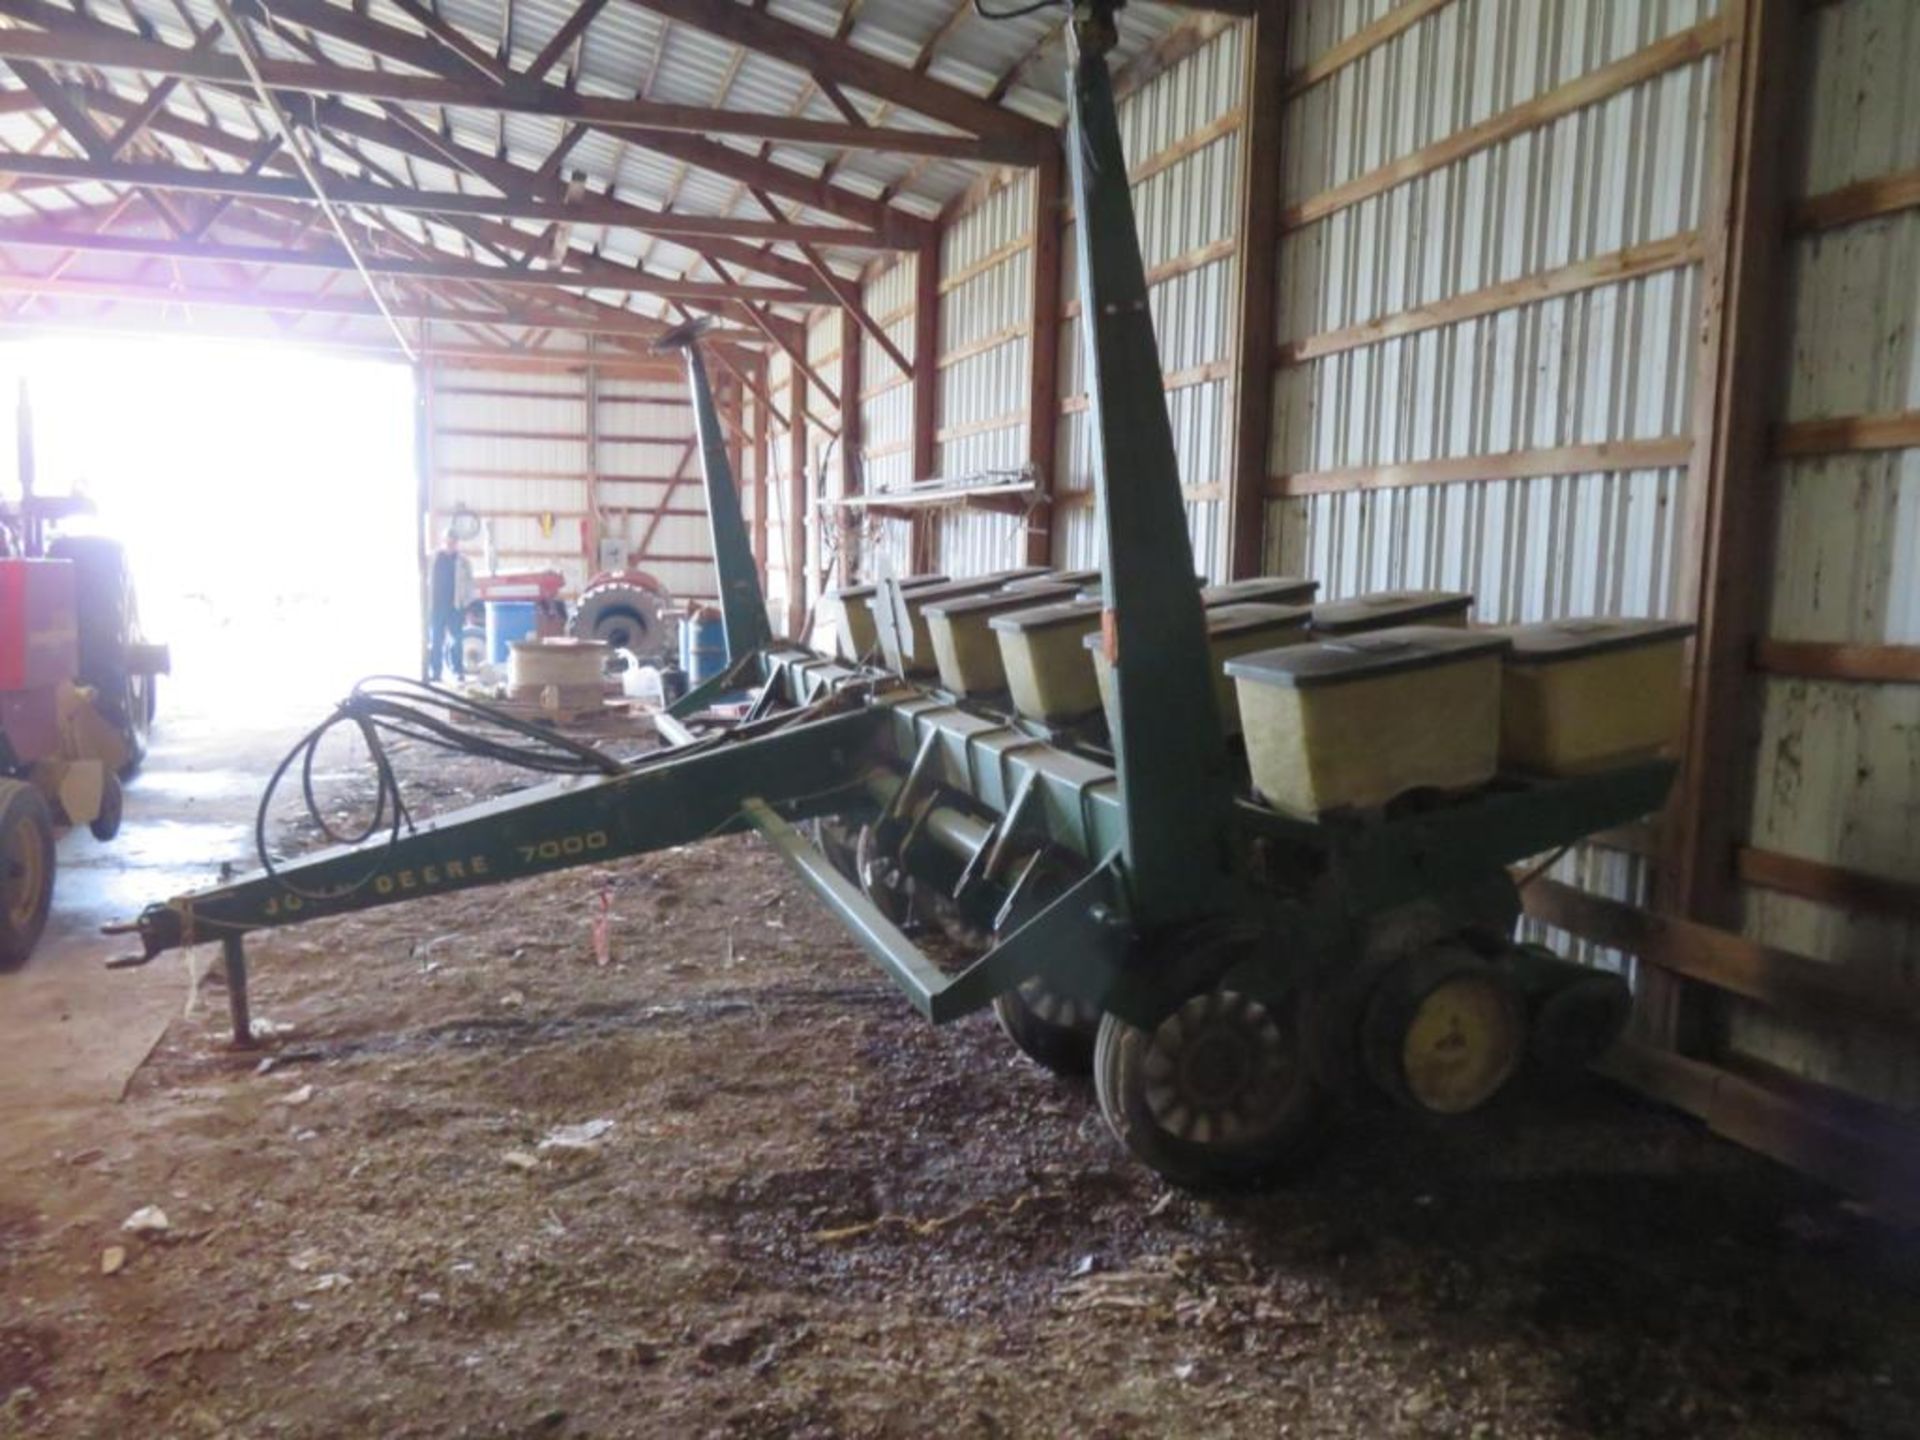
(147,1220)
(112,1259)
(520,1160)
(298,1097)
(584,1136)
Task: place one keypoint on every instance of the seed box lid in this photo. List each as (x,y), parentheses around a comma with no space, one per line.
(1366,656)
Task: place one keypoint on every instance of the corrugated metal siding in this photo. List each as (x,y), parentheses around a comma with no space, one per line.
(648,460)
(983,368)
(886,407)
(1188,213)
(1605,364)
(1839,764)
(520,453)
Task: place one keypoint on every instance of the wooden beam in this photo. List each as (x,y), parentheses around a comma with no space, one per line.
(1827,884)
(251,64)
(796,521)
(762,469)
(614,278)
(586,209)
(1361,43)
(1674,51)
(1605,457)
(852,440)
(1730,521)
(831,60)
(1632,263)
(1873,1154)
(571,29)
(1252,382)
(108,50)
(1849,434)
(1043,362)
(926,390)
(1862,200)
(1846,663)
(290,302)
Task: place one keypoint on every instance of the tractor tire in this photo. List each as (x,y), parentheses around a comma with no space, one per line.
(26,870)
(105,825)
(108,615)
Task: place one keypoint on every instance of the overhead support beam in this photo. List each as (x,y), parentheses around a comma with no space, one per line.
(64,106)
(588,209)
(616,278)
(257,298)
(836,62)
(697,151)
(251,62)
(571,29)
(106,49)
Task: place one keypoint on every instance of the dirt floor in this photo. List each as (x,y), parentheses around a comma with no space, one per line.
(808,1214)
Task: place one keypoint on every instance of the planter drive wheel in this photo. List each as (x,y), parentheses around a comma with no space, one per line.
(26,870)
(1219,1094)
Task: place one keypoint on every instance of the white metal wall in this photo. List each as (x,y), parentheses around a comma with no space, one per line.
(536,455)
(986,292)
(1182,132)
(1839,763)
(1467,313)
(511,446)
(1601,365)
(886,409)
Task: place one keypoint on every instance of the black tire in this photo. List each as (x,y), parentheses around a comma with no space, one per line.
(106,824)
(108,616)
(1053,1030)
(26,870)
(1218,1096)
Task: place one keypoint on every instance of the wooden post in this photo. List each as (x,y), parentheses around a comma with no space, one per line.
(762,485)
(926,390)
(1731,480)
(852,439)
(591,524)
(425,459)
(1043,369)
(797,509)
(1252,380)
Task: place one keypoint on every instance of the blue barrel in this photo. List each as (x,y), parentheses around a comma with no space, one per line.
(703,645)
(508,621)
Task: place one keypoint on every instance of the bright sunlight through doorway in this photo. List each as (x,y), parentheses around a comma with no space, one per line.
(265,496)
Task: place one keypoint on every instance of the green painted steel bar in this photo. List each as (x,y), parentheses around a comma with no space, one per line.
(669,798)
(742,607)
(1169,749)
(885,943)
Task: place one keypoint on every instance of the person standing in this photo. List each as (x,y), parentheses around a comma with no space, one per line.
(449,591)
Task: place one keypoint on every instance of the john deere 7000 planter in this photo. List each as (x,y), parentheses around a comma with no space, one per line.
(1232,972)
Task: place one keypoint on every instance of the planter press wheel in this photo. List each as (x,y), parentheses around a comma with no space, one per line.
(1054,1030)
(1218,1095)
(26,870)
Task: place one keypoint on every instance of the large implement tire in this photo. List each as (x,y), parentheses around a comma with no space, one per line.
(26,870)
(1218,1095)
(109,622)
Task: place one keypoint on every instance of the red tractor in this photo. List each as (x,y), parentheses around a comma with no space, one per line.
(76,703)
